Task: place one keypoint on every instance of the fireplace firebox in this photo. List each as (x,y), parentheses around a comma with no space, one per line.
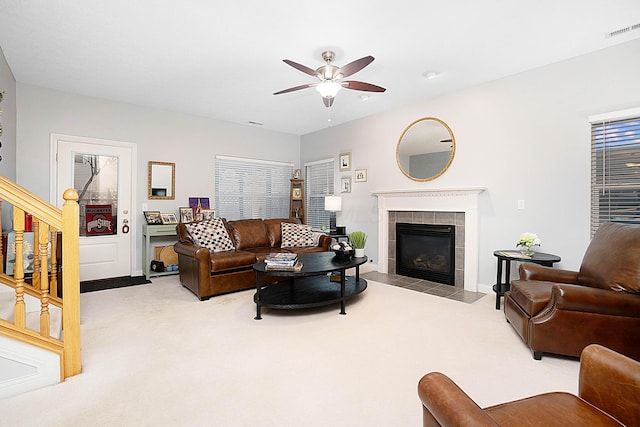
(426,251)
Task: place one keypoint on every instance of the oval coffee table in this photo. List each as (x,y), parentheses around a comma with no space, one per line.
(309,287)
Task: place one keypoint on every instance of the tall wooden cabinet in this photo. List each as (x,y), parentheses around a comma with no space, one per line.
(296,205)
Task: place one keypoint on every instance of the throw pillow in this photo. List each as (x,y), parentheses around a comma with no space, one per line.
(296,235)
(211,234)
(316,237)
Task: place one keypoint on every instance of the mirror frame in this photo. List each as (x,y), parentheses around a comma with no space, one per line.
(173,181)
(444,168)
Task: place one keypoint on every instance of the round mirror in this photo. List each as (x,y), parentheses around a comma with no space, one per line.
(425,149)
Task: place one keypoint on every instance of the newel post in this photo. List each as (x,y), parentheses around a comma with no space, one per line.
(71,282)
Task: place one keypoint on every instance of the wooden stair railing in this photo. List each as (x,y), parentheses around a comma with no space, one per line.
(47,222)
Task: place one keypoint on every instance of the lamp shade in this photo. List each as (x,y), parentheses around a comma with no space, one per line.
(333,203)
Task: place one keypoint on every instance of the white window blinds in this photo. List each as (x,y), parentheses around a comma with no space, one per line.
(319,183)
(615,172)
(249,188)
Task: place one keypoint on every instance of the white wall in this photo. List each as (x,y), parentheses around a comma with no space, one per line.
(189,141)
(524,137)
(8,138)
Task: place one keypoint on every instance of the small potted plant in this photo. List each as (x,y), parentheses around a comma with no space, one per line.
(358,239)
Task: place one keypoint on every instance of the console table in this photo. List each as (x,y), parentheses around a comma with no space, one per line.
(149,231)
(505,256)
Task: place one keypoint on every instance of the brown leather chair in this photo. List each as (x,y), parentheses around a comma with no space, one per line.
(608,395)
(560,311)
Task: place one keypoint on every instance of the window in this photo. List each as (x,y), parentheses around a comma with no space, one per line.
(319,183)
(249,188)
(615,169)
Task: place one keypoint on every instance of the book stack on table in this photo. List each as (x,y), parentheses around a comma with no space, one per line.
(283,261)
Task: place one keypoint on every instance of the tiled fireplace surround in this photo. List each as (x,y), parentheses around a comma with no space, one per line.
(429,217)
(458,206)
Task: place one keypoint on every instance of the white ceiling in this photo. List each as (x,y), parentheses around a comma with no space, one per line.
(224,59)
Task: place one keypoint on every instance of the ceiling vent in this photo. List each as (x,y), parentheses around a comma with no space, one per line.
(622,31)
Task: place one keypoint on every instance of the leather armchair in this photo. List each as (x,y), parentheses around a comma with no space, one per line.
(608,395)
(560,311)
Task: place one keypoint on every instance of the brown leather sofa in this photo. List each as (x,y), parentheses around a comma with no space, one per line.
(207,274)
(608,395)
(560,311)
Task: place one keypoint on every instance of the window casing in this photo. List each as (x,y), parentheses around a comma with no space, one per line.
(318,183)
(251,188)
(615,171)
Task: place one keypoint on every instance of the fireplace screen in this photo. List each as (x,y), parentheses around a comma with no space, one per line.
(426,251)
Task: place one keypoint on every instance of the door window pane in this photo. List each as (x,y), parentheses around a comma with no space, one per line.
(95,178)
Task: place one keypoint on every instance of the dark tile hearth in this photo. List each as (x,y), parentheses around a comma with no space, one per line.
(425,286)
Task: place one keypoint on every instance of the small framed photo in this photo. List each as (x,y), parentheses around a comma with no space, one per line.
(345,184)
(361,175)
(297,194)
(169,218)
(208,214)
(153,217)
(186,214)
(297,174)
(345,162)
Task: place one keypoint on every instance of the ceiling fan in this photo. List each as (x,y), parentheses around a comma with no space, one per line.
(331,77)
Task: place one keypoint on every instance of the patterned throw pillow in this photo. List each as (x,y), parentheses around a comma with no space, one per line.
(296,235)
(211,234)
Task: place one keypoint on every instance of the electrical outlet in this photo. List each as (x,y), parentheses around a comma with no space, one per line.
(520,204)
(145,207)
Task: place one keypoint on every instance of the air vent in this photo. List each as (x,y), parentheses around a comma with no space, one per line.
(622,31)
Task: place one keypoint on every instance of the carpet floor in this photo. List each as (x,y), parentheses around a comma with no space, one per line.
(156,356)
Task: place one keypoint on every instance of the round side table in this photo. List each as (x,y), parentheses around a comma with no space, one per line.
(505,257)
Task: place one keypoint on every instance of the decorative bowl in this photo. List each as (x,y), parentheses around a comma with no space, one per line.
(344,255)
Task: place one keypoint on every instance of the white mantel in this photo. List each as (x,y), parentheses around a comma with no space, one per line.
(437,200)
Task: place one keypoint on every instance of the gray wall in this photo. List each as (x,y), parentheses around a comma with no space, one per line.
(8,137)
(189,141)
(524,137)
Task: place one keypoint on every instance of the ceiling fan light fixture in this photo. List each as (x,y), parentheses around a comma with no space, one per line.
(328,88)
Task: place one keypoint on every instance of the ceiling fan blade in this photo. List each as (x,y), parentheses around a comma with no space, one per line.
(366,87)
(328,102)
(291,89)
(301,67)
(355,66)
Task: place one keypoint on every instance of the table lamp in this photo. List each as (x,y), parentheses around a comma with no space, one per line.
(332,204)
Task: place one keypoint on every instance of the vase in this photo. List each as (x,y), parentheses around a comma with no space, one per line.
(359,253)
(527,251)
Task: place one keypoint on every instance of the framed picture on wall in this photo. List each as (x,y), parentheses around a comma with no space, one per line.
(361,175)
(345,162)
(345,185)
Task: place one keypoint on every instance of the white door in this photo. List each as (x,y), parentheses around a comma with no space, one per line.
(101,172)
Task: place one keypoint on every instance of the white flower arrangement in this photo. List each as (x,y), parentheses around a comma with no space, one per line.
(528,240)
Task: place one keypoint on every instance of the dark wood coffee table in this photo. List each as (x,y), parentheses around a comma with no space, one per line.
(309,287)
